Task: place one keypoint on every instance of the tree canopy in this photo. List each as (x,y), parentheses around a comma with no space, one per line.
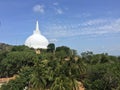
(61,70)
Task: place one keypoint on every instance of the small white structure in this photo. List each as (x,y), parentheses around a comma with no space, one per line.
(37,40)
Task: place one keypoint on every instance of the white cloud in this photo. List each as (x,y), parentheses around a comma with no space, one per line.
(95,22)
(53,40)
(59,11)
(93,28)
(39,8)
(56,3)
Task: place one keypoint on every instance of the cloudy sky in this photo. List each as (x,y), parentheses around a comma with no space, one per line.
(84,25)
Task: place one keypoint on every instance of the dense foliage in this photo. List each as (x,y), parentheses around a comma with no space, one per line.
(59,68)
(103,71)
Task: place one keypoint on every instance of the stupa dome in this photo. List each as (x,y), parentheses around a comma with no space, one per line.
(37,40)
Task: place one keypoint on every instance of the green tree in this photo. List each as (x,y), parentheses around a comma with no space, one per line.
(63,51)
(14,61)
(87,56)
(20,48)
(38,81)
(20,81)
(51,48)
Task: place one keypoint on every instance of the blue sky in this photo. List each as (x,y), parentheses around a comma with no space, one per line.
(84,25)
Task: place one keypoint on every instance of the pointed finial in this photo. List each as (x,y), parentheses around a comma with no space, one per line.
(37,31)
(37,26)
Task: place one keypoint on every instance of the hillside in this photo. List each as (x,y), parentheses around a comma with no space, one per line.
(5,47)
(58,68)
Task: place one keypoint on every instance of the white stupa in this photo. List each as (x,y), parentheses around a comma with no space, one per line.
(37,40)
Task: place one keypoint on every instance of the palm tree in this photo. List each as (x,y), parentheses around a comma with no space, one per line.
(61,83)
(38,81)
(76,71)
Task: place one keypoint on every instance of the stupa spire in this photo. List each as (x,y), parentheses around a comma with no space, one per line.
(37,30)
(37,25)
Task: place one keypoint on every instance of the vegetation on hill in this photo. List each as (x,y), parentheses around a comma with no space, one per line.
(5,47)
(58,68)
